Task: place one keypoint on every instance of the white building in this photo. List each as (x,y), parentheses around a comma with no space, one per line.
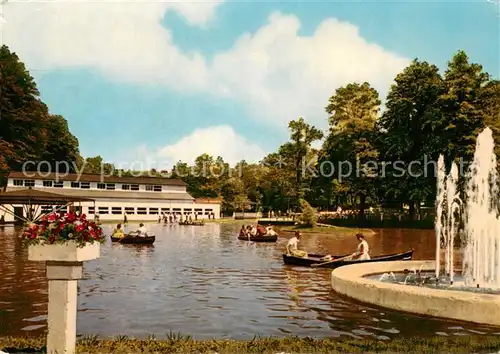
(140,198)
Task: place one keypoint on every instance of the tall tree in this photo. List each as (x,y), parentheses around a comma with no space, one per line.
(462,115)
(302,135)
(23,116)
(410,133)
(350,146)
(61,144)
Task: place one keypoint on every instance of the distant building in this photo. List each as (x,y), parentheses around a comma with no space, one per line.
(140,198)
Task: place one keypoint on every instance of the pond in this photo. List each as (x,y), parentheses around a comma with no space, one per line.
(204,282)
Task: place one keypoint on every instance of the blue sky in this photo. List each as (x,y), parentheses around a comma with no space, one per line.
(166,81)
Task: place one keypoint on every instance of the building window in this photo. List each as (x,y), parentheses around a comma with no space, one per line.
(47,183)
(141,211)
(165,210)
(78,209)
(85,185)
(176,209)
(198,209)
(134,187)
(101,186)
(29,183)
(91,210)
(75,184)
(126,187)
(46,209)
(103,210)
(116,210)
(157,188)
(18,182)
(58,184)
(110,186)
(149,188)
(188,209)
(153,211)
(129,210)
(209,210)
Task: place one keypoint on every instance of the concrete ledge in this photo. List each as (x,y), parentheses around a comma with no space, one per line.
(452,304)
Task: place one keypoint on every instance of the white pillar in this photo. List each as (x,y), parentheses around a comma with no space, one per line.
(63,300)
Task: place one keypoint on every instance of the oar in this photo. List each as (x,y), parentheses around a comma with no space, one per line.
(332,261)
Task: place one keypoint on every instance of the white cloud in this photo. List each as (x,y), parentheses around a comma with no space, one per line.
(277,74)
(216,141)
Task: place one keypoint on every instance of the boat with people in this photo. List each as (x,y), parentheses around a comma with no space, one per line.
(259,238)
(257,234)
(135,237)
(329,261)
(141,236)
(192,223)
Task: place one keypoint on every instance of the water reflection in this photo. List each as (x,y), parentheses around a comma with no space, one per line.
(203,281)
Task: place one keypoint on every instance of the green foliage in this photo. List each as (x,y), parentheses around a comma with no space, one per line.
(177,343)
(309,215)
(27,131)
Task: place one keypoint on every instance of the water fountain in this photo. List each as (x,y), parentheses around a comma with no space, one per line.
(436,289)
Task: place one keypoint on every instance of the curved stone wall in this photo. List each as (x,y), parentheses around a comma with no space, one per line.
(452,304)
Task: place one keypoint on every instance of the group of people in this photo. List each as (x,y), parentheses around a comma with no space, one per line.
(119,233)
(256,230)
(362,252)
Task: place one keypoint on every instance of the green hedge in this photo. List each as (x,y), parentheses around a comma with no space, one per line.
(176,343)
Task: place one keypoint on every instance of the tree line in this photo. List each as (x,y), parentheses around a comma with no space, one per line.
(426,113)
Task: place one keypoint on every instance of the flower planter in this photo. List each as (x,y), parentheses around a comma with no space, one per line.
(66,252)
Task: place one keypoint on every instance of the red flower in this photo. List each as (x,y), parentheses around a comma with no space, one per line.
(80,228)
(52,217)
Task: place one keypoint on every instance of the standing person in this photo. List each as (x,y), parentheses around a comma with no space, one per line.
(362,252)
(125,218)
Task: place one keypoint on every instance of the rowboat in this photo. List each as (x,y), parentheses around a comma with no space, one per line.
(135,238)
(268,238)
(195,223)
(317,259)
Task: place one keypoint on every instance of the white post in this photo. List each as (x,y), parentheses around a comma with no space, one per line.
(63,299)
(64,268)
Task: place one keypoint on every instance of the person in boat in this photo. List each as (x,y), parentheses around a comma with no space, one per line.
(291,246)
(261,230)
(270,231)
(362,253)
(118,232)
(243,231)
(142,230)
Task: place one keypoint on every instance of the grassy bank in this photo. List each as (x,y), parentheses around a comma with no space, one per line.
(180,344)
(328,230)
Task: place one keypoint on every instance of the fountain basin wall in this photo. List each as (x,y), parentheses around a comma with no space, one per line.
(451,304)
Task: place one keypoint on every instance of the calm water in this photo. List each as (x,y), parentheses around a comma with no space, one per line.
(203,281)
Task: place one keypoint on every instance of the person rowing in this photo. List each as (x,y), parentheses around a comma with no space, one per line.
(362,252)
(243,231)
(142,230)
(291,246)
(118,232)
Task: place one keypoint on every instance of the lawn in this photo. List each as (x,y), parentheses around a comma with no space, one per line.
(176,343)
(328,230)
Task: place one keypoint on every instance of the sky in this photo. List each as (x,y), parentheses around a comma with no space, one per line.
(147,83)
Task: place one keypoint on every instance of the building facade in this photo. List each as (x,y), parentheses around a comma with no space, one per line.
(139,198)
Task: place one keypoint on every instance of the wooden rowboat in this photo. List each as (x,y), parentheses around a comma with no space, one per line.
(317,259)
(133,238)
(194,223)
(268,238)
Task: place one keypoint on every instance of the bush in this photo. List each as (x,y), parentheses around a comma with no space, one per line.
(309,216)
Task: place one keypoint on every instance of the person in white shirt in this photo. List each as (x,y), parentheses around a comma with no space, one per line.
(270,231)
(142,230)
(291,246)
(253,231)
(362,252)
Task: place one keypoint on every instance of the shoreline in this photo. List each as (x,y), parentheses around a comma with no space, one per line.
(177,343)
